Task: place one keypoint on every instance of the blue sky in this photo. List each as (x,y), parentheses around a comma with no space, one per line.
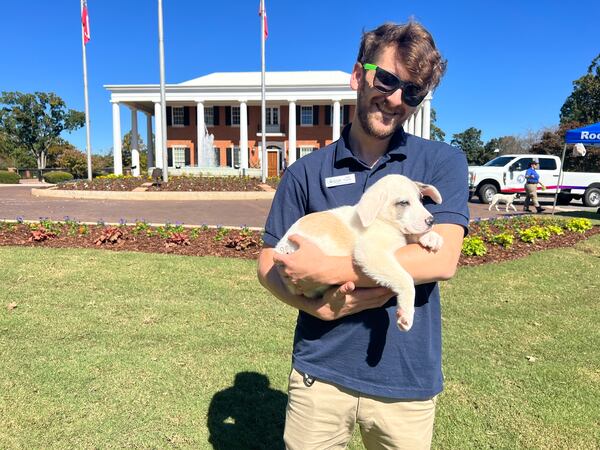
(511,64)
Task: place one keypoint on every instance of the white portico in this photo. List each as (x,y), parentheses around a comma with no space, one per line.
(214,121)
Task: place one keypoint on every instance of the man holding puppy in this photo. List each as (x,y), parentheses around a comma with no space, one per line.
(350,362)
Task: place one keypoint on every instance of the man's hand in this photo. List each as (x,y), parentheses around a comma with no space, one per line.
(307,268)
(340,301)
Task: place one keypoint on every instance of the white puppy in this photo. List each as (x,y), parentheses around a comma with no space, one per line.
(388,216)
(503,198)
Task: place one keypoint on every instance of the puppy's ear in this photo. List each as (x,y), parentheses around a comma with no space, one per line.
(427,190)
(370,205)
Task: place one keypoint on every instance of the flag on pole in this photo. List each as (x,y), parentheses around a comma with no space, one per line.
(263,13)
(85,22)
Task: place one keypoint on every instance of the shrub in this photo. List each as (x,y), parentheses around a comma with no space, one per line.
(579,225)
(9,177)
(57,177)
(473,246)
(503,239)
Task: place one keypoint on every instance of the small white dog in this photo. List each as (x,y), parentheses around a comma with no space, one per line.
(504,198)
(388,216)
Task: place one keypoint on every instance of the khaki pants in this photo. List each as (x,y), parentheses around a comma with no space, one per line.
(322,416)
(531,195)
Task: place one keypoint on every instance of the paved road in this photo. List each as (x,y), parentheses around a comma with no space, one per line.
(17,201)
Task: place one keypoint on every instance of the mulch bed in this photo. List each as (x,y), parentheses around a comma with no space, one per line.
(216,242)
(176,184)
(519,249)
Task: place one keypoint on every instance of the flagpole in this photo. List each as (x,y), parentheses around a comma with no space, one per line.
(163,100)
(86,101)
(262,87)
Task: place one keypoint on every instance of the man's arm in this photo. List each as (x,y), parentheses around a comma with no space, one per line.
(309,266)
(337,302)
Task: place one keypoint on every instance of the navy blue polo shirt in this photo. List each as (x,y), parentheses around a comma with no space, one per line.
(365,351)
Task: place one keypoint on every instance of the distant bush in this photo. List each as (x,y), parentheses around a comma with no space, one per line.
(9,177)
(57,177)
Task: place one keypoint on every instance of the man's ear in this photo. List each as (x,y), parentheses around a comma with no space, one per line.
(356,77)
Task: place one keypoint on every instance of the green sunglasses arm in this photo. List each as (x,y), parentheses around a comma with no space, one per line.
(368,66)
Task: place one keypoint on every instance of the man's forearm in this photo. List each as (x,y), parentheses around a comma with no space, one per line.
(423,265)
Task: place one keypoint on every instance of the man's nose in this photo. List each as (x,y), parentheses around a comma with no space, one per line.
(395,98)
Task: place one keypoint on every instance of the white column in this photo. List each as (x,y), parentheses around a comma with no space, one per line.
(200,132)
(292,133)
(336,120)
(244,137)
(158,135)
(117,152)
(135,147)
(427,117)
(149,143)
(418,123)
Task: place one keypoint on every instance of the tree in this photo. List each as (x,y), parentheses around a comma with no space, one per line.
(436,132)
(35,121)
(583,105)
(469,141)
(505,145)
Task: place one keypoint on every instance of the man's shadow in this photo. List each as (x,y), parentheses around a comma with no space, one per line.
(247,415)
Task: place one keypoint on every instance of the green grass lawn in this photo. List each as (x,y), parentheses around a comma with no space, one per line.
(126,350)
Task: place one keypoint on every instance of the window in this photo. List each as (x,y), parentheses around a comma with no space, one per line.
(521,164)
(306,116)
(235,115)
(233,157)
(217,151)
(305,150)
(272,116)
(177,116)
(178,156)
(547,164)
(209,116)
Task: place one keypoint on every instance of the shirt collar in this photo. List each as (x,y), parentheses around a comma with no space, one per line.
(396,147)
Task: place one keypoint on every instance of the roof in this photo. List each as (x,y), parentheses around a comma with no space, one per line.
(312,78)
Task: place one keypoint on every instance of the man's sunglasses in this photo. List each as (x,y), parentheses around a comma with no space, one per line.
(387,83)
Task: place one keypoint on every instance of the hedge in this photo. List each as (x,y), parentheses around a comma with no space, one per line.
(7,177)
(57,177)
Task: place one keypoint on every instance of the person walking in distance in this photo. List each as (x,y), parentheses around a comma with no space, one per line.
(532,179)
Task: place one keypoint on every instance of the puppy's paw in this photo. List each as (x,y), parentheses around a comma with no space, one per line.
(431,240)
(404,320)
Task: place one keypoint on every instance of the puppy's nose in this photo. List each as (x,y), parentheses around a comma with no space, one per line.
(429,221)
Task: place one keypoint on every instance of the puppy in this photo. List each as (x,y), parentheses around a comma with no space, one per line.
(503,198)
(388,216)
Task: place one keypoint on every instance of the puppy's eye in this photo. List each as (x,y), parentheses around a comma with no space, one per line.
(403,203)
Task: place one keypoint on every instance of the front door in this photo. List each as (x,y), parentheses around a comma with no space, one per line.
(273,163)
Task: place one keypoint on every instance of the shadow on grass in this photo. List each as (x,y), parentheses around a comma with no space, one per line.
(247,415)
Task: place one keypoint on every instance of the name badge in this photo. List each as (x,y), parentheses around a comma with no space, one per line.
(340,180)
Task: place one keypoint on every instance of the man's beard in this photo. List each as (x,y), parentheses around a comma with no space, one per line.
(362,110)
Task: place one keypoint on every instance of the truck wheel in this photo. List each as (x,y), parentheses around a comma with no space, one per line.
(591,197)
(564,199)
(486,192)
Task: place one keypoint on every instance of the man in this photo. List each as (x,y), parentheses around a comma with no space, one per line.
(350,362)
(532,180)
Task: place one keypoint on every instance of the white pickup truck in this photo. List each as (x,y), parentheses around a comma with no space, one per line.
(506,174)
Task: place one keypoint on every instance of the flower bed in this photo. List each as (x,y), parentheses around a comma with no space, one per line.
(488,240)
(177,183)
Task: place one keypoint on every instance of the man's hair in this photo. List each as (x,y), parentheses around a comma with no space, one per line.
(415,47)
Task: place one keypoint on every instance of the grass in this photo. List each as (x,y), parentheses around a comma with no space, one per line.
(126,350)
